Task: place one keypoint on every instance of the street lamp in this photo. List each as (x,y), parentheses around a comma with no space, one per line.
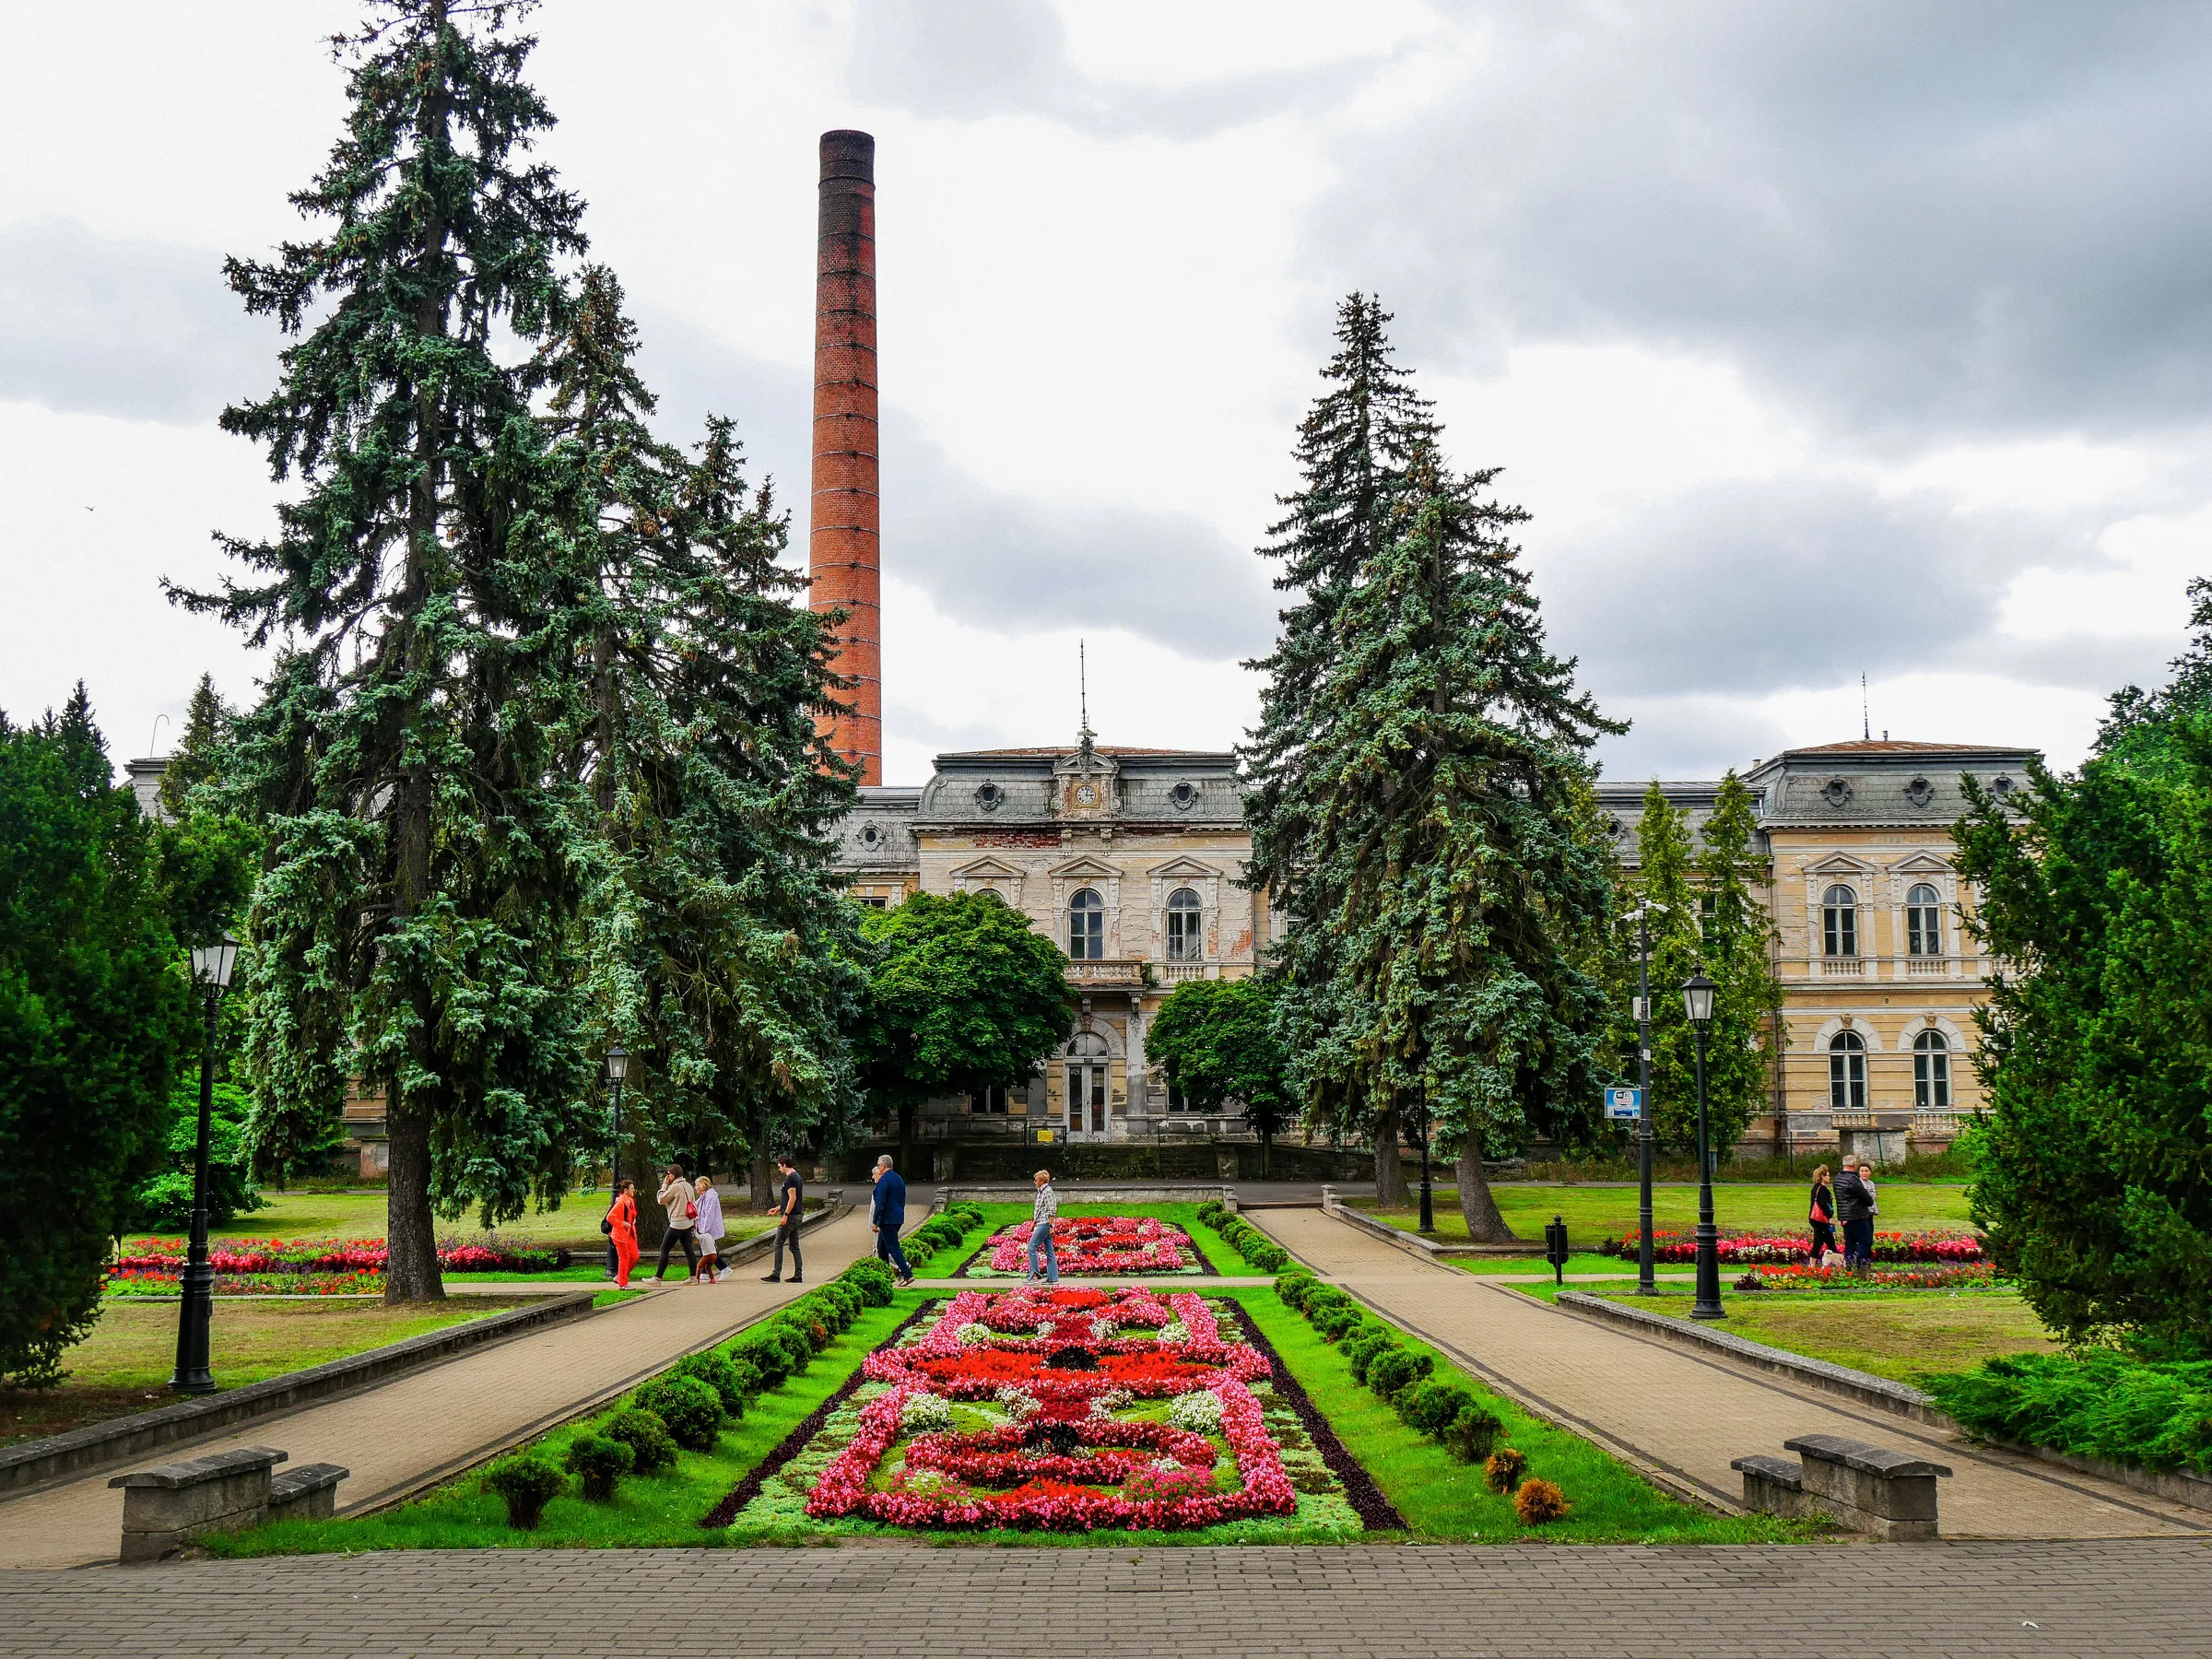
(211,967)
(1697,1003)
(617,1067)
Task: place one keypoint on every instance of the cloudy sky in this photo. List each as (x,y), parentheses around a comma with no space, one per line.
(1819,339)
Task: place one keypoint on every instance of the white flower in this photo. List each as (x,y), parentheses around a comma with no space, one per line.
(1196,1413)
(1018,1402)
(1174,1333)
(972,1331)
(925,1414)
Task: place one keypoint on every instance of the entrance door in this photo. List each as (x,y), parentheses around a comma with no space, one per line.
(1087,1096)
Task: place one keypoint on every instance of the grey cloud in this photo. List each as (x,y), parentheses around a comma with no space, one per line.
(1754,587)
(125,326)
(986,555)
(1965,216)
(1686,738)
(970,59)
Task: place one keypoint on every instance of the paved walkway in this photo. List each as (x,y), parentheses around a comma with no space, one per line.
(1681,1416)
(438,1421)
(2134,1600)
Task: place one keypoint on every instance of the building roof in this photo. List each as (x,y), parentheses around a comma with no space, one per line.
(1887,746)
(1118,750)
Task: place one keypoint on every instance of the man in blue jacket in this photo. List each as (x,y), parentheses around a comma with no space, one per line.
(888,1214)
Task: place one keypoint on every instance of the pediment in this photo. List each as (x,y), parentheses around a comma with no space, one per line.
(1184,869)
(1839,863)
(1921,863)
(1087,868)
(987,869)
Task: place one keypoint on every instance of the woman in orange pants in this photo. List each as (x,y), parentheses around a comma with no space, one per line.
(625,1218)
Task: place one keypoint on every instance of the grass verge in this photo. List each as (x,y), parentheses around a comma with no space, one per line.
(1211,1244)
(125,1365)
(1594,1213)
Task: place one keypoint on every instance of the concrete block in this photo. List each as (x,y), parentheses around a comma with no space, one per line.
(307,1493)
(166,1506)
(1870,1489)
(1774,1486)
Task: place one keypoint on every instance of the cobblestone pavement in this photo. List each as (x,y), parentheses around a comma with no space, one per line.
(429,1423)
(1869,1601)
(1683,1416)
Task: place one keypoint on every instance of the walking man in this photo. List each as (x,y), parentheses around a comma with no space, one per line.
(1041,1230)
(887,1214)
(788,1204)
(676,1198)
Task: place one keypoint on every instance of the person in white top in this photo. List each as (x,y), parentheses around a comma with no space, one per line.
(683,1221)
(708,1202)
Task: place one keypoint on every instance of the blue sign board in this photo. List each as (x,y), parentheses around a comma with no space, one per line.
(1624,1103)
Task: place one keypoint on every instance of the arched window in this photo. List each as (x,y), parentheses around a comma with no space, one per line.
(1847,1073)
(1931,1072)
(1840,922)
(1186,926)
(1086,926)
(1923,922)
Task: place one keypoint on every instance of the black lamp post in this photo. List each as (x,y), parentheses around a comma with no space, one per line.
(1696,1002)
(617,1067)
(1428,1205)
(211,966)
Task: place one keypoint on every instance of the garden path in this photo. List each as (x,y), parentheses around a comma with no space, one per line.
(432,1423)
(2131,1599)
(1681,1417)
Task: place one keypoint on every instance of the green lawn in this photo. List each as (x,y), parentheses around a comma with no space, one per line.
(131,1354)
(1594,1213)
(358,1213)
(1905,1336)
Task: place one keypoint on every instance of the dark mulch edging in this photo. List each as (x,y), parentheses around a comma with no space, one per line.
(1375,1511)
(789,1447)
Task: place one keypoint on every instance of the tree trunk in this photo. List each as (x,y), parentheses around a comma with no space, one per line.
(760,1179)
(411,1231)
(1485,1224)
(1391,1191)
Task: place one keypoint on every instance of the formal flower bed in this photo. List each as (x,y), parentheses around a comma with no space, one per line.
(1094,1247)
(1069,1410)
(147,1281)
(1968,1275)
(1780,1249)
(228,1256)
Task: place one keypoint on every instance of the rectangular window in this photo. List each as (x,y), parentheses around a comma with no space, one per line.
(1840,930)
(991,1099)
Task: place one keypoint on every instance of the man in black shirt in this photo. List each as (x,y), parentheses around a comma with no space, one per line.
(788,1206)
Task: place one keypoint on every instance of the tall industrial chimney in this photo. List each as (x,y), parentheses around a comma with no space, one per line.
(844,542)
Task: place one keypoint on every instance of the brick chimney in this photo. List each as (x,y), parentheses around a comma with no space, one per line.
(844,535)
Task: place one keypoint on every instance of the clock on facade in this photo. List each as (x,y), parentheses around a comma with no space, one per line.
(1086,794)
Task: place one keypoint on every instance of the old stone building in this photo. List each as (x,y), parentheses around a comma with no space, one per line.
(1129,859)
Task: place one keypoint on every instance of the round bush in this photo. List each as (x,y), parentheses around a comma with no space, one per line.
(1434,1406)
(1472,1434)
(812,1331)
(790,1342)
(1538,1501)
(1333,1323)
(601,1462)
(647,1437)
(1503,1469)
(1389,1373)
(848,1299)
(874,1281)
(1363,1349)
(528,1483)
(1294,1287)
(766,1356)
(692,1410)
(716,1371)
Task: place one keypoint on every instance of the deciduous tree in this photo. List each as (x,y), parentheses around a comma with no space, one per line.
(1216,1040)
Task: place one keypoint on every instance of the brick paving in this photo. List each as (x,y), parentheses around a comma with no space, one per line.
(1682,1417)
(397,1437)
(2115,1600)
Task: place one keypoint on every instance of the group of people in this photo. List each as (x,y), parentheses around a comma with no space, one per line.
(1849,1201)
(696,1226)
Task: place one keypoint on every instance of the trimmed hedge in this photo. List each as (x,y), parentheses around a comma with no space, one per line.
(2095,1402)
(1243,1238)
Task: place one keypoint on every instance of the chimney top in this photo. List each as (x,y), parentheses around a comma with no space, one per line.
(848,155)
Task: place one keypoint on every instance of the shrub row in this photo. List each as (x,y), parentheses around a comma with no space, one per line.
(1443,1410)
(687,1405)
(1243,1238)
(2097,1403)
(947,1230)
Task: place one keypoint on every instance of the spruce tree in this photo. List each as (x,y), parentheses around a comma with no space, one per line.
(1706,916)
(198,757)
(1464,894)
(413,924)
(1353,451)
(721,953)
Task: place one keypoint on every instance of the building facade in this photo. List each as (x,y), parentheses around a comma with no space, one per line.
(1131,860)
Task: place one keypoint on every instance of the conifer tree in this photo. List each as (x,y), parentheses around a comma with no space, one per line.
(1705,916)
(414,922)
(1464,894)
(198,756)
(1353,451)
(721,952)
